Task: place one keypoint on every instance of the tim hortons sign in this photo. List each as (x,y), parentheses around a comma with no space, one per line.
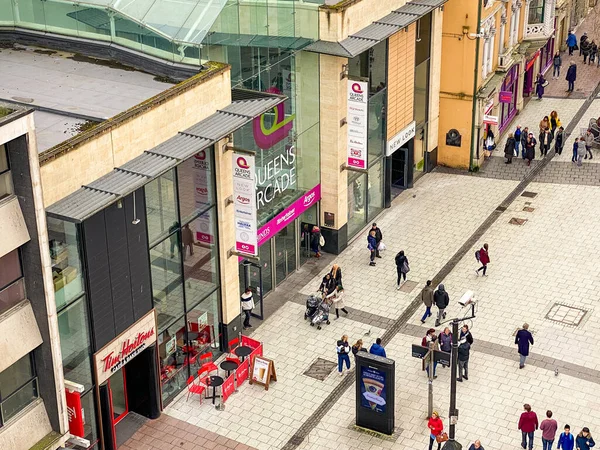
(125,347)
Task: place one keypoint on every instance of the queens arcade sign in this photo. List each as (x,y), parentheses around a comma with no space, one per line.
(125,347)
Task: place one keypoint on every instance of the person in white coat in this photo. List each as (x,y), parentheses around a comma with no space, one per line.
(247,306)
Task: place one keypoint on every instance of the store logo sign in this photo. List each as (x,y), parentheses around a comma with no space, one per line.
(129,349)
(308,199)
(266,137)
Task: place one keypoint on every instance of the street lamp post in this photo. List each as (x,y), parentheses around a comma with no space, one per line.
(451,444)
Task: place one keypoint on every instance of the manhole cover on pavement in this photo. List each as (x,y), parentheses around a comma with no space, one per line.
(517,221)
(529,194)
(565,314)
(408,286)
(528,209)
(320,369)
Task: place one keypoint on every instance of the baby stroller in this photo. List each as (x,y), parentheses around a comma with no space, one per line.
(322,315)
(312,303)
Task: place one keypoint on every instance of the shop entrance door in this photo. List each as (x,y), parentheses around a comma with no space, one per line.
(251,275)
(117,387)
(400,168)
(285,252)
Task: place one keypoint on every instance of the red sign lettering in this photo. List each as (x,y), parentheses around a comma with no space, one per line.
(128,347)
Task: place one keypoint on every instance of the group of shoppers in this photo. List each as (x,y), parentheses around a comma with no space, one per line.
(443,343)
(528,424)
(582,148)
(332,290)
(344,349)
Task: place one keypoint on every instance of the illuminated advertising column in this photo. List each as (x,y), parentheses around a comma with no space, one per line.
(244,202)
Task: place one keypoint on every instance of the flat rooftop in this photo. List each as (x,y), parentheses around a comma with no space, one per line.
(69,91)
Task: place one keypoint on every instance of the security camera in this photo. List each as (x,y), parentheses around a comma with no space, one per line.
(467,298)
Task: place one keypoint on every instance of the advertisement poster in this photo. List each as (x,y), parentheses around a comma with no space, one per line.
(260,370)
(244,202)
(372,389)
(202,196)
(75,412)
(358,98)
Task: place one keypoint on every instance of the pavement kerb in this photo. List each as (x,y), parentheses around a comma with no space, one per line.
(305,429)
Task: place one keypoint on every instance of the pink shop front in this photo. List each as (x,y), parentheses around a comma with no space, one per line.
(507,98)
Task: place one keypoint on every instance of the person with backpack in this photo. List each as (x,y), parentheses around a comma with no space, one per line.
(566,441)
(427,297)
(483,257)
(441,300)
(401,267)
(372,246)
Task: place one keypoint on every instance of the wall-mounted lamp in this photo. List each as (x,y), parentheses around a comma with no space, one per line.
(465,29)
(344,73)
(442,8)
(418,30)
(119,204)
(343,122)
(135,220)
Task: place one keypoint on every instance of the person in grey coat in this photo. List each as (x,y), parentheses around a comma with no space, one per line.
(581,150)
(441,300)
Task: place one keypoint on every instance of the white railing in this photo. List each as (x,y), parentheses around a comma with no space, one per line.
(545,29)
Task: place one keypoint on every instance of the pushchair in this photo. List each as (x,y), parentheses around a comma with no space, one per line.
(321,315)
(312,303)
(595,130)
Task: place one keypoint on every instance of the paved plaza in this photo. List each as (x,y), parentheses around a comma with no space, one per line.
(541,227)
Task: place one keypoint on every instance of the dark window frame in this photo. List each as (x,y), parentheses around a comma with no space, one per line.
(3,148)
(18,250)
(33,378)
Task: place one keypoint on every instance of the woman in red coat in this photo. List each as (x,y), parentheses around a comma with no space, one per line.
(484,259)
(436,426)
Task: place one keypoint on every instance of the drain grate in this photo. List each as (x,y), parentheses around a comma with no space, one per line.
(501,208)
(529,194)
(528,209)
(408,286)
(566,315)
(320,369)
(517,221)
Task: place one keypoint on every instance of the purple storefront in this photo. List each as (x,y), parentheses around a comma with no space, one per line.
(547,55)
(508,97)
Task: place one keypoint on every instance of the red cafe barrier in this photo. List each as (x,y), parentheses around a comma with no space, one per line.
(227,388)
(249,342)
(241,373)
(258,351)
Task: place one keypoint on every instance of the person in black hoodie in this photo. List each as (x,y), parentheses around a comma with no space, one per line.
(559,140)
(441,300)
(327,286)
(401,267)
(378,238)
(509,149)
(524,135)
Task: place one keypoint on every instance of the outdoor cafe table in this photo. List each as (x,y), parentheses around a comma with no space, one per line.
(215,381)
(243,352)
(228,366)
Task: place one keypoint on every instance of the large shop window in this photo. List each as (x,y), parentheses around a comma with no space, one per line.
(376,122)
(375,189)
(90,425)
(18,388)
(195,182)
(202,322)
(357,204)
(174,363)
(536,11)
(73,328)
(12,289)
(66,262)
(6,186)
(161,207)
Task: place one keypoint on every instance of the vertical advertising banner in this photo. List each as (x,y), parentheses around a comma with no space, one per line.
(372,389)
(244,202)
(202,196)
(75,412)
(358,108)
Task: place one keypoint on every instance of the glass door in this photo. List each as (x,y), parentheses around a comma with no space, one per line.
(117,387)
(251,275)
(285,252)
(266,272)
(399,168)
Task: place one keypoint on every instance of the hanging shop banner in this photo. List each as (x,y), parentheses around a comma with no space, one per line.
(289,214)
(227,388)
(401,138)
(358,108)
(531,62)
(75,413)
(125,347)
(505,97)
(244,202)
(202,196)
(491,120)
(241,373)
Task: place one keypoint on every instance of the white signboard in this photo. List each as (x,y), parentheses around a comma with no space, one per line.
(401,138)
(203,196)
(244,203)
(358,108)
(125,347)
(492,120)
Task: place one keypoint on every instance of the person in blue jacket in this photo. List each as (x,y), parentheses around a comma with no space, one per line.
(377,348)
(584,440)
(372,246)
(566,441)
(571,42)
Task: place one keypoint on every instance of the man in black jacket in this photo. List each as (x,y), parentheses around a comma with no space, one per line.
(378,238)
(463,360)
(441,300)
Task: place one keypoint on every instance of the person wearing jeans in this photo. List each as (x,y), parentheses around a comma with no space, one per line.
(427,297)
(548,427)
(343,352)
(441,300)
(528,423)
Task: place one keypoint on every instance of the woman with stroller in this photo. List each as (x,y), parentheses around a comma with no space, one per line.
(327,285)
(336,298)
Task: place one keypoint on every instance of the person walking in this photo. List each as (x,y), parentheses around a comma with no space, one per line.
(436,427)
(427,297)
(554,122)
(523,340)
(465,334)
(337,299)
(336,275)
(589,141)
(586,48)
(593,52)
(343,351)
(524,137)
(571,76)
(429,339)
(566,441)
(509,149)
(544,123)
(517,136)
(559,140)
(445,340)
(372,246)
(327,285)
(441,300)
(581,150)
(401,267)
(476,445)
(187,238)
(575,148)
(571,42)
(548,427)
(358,347)
(247,301)
(584,440)
(463,360)
(484,259)
(530,148)
(545,141)
(540,86)
(377,348)
(556,63)
(582,40)
(315,242)
(378,238)
(528,423)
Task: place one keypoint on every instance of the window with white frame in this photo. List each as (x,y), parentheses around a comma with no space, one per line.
(489,32)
